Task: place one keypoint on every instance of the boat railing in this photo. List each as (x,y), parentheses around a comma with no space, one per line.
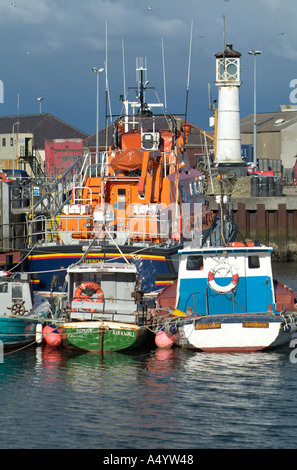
(78,198)
(124,230)
(136,228)
(13,236)
(98,165)
(122,310)
(94,165)
(43,230)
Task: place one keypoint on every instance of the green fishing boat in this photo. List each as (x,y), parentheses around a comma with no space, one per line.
(105,310)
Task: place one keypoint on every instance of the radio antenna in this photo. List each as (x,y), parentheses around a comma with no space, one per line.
(164,79)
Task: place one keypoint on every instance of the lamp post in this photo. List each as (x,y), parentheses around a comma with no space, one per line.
(13,148)
(40,101)
(255,53)
(97,71)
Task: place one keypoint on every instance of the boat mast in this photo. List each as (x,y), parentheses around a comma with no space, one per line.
(188,80)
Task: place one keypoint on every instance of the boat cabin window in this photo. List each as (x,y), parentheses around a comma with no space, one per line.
(194,263)
(3,288)
(253,262)
(17,292)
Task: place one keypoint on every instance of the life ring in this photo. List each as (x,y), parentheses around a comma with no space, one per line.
(222,289)
(241,244)
(86,290)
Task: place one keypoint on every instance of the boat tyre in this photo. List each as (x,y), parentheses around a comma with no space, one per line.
(86,290)
(222,289)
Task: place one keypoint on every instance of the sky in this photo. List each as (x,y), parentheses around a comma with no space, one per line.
(48,49)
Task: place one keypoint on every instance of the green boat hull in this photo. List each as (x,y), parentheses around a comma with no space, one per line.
(99,337)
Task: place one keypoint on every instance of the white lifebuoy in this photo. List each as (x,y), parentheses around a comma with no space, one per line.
(38,333)
(222,289)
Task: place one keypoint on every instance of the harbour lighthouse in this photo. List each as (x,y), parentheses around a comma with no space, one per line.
(228,145)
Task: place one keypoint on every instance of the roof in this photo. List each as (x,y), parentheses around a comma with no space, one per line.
(42,126)
(268,122)
(228,52)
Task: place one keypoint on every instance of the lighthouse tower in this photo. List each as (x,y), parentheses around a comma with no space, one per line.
(228,148)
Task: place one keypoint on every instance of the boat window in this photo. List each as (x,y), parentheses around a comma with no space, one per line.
(17,292)
(194,263)
(253,262)
(3,288)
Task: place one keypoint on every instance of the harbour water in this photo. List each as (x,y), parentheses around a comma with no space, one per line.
(174,400)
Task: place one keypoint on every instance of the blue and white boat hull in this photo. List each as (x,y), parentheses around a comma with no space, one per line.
(232,333)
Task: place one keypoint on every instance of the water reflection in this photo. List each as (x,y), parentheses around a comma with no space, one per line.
(166,399)
(286,273)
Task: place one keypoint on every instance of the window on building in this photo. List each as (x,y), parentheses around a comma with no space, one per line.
(11,141)
(3,142)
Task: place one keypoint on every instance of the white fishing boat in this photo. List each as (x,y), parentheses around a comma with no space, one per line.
(226,300)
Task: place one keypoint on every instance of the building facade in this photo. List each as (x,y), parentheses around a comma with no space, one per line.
(276,135)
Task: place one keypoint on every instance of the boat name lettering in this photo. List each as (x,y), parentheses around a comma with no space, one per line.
(83,330)
(86,261)
(123,333)
(255,324)
(207,326)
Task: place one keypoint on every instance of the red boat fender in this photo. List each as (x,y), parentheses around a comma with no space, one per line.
(163,340)
(51,336)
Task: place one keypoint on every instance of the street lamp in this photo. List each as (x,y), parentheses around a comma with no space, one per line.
(40,101)
(97,71)
(13,148)
(255,53)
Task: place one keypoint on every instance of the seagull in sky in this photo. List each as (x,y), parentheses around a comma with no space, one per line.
(12,4)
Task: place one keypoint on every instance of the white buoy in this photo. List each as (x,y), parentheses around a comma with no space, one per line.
(38,333)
